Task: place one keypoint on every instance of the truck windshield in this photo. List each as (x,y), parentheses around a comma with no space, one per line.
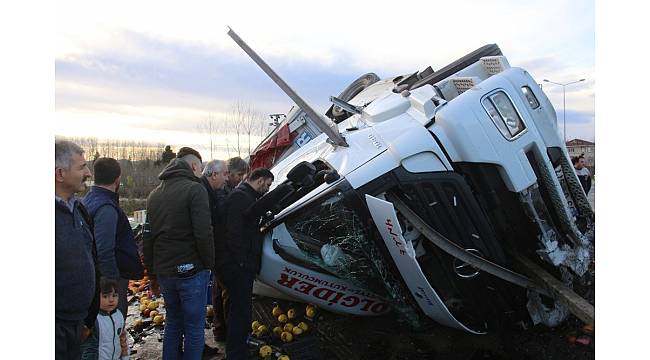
(333,234)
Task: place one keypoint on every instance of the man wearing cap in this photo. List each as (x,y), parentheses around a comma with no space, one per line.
(180,252)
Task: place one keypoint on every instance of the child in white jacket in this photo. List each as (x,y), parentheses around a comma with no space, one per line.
(108,339)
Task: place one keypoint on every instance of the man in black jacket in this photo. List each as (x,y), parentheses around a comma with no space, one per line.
(76,288)
(180,251)
(239,256)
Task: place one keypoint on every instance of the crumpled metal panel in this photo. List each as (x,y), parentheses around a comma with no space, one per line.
(333,237)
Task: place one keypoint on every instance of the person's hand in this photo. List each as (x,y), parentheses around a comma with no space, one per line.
(154,287)
(85,333)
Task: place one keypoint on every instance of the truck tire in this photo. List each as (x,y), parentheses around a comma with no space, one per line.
(336,113)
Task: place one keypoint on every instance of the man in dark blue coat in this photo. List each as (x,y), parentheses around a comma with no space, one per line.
(76,288)
(117,254)
(238,257)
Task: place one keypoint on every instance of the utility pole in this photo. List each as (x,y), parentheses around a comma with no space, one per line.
(564,101)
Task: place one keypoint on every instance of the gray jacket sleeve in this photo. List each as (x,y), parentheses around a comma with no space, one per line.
(202,225)
(105,227)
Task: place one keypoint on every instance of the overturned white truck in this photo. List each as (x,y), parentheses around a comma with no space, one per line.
(421,195)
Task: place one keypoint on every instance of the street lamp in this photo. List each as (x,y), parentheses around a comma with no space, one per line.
(564,101)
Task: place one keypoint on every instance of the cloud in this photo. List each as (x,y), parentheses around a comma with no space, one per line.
(191,71)
(162,68)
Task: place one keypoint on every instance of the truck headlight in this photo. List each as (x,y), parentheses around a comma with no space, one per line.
(504,114)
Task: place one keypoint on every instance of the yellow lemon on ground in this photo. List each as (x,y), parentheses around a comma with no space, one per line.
(265,351)
(255,325)
(263,329)
(137,323)
(153,314)
(310,312)
(283,318)
(276,311)
(286,336)
(291,313)
(142,307)
(283,357)
(303,325)
(152,305)
(158,319)
(277,331)
(296,330)
(288,327)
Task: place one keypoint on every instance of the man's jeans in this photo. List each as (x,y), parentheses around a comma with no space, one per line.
(186,311)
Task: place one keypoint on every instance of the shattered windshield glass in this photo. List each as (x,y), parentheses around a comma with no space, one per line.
(333,237)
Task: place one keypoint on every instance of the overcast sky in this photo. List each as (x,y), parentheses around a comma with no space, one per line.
(147,71)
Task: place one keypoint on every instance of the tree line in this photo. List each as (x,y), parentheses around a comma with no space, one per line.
(140,161)
(237,134)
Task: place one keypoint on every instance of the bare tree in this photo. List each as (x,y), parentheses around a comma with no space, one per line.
(246,122)
(211,126)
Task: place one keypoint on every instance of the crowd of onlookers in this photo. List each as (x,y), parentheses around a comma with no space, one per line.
(203,223)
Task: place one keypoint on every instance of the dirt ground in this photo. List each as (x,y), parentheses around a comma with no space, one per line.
(333,336)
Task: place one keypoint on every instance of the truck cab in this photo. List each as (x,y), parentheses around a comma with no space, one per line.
(473,149)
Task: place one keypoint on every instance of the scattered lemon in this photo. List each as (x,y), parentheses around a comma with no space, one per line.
(288,327)
(276,311)
(277,331)
(152,305)
(158,319)
(286,336)
(310,312)
(291,313)
(303,325)
(153,314)
(142,307)
(283,357)
(283,318)
(255,325)
(296,330)
(265,351)
(263,329)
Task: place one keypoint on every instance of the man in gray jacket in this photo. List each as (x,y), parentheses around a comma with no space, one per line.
(180,251)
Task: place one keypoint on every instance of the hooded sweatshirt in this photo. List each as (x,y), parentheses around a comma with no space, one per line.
(179,216)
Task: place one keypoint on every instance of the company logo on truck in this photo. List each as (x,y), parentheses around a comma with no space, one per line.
(395,237)
(326,292)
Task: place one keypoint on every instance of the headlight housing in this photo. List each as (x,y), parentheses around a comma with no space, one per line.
(504,115)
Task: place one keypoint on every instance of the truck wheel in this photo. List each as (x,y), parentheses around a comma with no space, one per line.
(357,86)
